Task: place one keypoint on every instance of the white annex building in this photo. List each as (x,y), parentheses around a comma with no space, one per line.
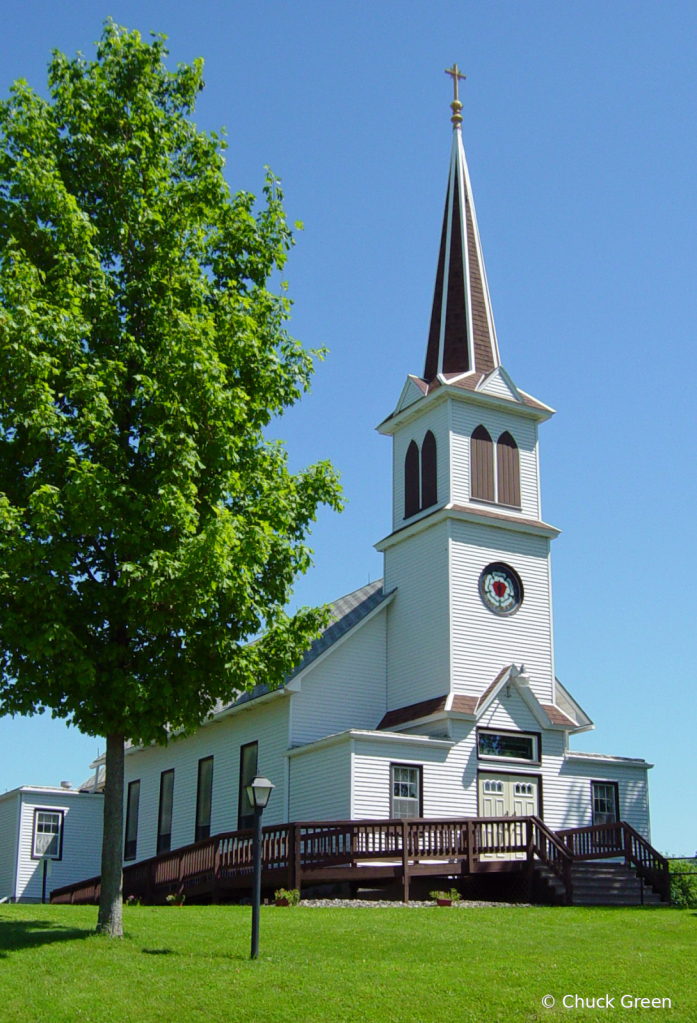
(433,691)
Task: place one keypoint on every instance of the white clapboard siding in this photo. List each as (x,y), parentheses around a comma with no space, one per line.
(450,775)
(443,791)
(464,419)
(265,722)
(568,800)
(320,783)
(510,713)
(347,689)
(9,811)
(483,642)
(82,841)
(435,420)
(418,655)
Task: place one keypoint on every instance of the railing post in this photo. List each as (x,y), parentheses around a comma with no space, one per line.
(405,860)
(627,847)
(471,832)
(216,871)
(180,882)
(297,857)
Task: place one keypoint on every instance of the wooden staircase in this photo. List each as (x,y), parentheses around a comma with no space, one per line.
(610,884)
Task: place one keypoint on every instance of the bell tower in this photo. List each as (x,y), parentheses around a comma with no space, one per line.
(469,553)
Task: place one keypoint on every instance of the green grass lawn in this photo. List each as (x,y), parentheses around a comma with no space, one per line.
(383,965)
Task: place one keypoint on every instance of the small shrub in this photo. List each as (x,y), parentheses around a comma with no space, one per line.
(453,895)
(683,884)
(175,899)
(292,894)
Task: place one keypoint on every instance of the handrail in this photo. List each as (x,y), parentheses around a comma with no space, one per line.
(554,854)
(298,850)
(620,839)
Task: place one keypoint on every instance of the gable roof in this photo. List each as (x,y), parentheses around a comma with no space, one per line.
(548,714)
(346,613)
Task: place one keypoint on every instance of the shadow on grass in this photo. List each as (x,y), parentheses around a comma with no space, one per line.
(159,952)
(16,935)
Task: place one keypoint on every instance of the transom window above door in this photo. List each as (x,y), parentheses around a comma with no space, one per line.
(508,746)
(405,791)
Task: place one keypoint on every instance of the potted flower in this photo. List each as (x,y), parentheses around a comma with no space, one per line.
(446,898)
(176,899)
(287,896)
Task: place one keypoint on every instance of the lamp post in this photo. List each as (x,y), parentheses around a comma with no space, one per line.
(258,793)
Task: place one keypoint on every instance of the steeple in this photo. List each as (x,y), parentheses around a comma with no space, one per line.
(462,336)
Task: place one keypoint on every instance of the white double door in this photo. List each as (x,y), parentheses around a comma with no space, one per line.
(506,795)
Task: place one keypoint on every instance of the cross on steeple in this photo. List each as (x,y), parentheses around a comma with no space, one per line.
(456,105)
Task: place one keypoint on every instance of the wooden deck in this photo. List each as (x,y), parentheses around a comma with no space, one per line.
(378,852)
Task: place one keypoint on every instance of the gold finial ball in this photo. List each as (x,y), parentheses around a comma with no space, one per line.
(456,107)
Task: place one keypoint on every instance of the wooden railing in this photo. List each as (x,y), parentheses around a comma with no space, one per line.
(293,853)
(552,851)
(620,840)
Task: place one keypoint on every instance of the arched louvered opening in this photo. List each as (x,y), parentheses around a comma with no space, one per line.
(429,472)
(482,465)
(411,481)
(508,470)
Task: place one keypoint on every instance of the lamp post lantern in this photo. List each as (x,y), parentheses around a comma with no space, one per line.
(258,793)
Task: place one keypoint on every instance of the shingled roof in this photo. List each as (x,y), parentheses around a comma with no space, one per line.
(346,613)
(462,337)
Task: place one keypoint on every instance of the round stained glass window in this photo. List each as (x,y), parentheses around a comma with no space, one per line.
(501,588)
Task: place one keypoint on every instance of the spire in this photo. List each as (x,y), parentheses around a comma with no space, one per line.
(462,336)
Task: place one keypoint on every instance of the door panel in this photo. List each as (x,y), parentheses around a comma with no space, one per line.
(505,795)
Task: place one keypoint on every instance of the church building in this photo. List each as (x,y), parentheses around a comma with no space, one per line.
(432,693)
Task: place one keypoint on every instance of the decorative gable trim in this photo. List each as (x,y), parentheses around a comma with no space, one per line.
(414,389)
(498,382)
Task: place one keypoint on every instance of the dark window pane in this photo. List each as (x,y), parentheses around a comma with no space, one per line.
(204,798)
(482,465)
(248,770)
(508,470)
(429,472)
(518,747)
(411,481)
(132,806)
(164,823)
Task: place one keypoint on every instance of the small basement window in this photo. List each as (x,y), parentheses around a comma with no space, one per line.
(508,746)
(48,835)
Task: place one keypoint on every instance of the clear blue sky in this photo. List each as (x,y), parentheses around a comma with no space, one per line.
(580,129)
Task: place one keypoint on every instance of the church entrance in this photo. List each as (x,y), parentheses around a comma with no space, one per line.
(506,795)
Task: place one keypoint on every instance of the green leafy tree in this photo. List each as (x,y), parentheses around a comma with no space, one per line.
(148,529)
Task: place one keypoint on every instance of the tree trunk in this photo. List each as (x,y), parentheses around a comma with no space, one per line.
(110,902)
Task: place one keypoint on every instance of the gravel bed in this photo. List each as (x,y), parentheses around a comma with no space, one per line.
(384,904)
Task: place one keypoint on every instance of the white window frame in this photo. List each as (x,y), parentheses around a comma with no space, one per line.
(55,813)
(536,747)
(406,799)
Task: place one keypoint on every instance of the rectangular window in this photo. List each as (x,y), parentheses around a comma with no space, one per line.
(606,802)
(508,745)
(405,791)
(204,796)
(48,835)
(164,819)
(249,756)
(132,804)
